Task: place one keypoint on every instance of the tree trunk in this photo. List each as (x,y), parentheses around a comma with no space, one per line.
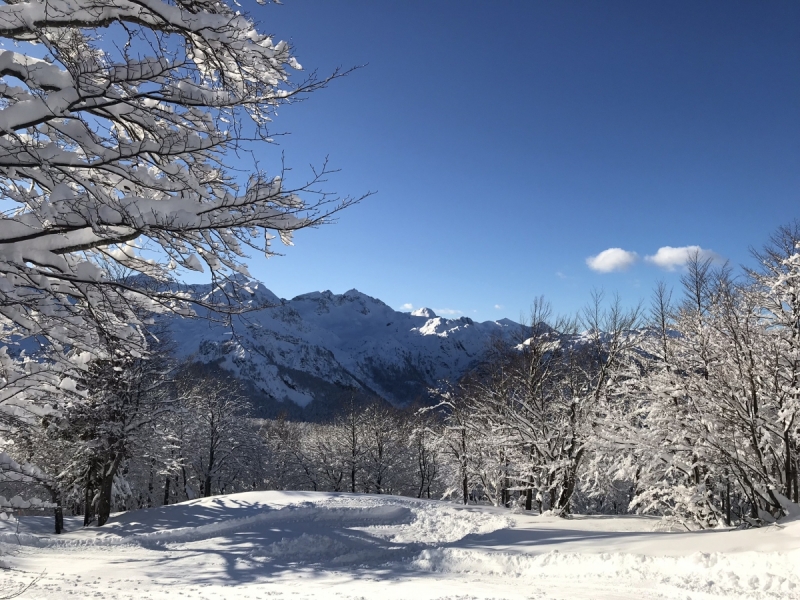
(88,506)
(166,490)
(353,451)
(568,489)
(151,482)
(565,497)
(207,482)
(727,503)
(58,511)
(464,483)
(106,488)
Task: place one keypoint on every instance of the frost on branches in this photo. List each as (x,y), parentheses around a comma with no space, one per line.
(695,416)
(718,426)
(525,422)
(116,121)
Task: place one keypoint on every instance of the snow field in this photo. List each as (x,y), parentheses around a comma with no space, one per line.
(745,576)
(324,545)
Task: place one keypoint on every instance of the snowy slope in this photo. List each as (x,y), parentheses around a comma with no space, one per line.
(341,546)
(323,343)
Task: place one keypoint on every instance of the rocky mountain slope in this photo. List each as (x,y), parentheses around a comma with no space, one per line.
(308,355)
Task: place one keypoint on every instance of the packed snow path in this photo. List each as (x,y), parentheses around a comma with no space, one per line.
(297,545)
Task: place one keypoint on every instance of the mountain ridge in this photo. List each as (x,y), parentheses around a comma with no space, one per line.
(307,355)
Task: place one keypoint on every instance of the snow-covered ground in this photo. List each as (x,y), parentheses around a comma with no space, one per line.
(294,545)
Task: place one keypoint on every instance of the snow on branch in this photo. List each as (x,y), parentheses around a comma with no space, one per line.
(116,121)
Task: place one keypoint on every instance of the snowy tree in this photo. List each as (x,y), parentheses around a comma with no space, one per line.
(123,397)
(348,437)
(219,432)
(118,123)
(24,477)
(371,448)
(455,439)
(387,464)
(527,417)
(282,440)
(777,282)
(425,447)
(716,429)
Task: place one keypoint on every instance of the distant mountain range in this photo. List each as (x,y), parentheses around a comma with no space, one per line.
(306,356)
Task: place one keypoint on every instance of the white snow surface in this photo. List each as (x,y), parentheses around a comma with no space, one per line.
(260,545)
(350,340)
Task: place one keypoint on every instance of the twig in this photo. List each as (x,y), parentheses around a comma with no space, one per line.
(25,588)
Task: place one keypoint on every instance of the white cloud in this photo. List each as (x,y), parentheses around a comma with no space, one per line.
(670,258)
(447,311)
(499,306)
(407,306)
(613,259)
(560,275)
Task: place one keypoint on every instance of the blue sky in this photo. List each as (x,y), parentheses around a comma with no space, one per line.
(507,142)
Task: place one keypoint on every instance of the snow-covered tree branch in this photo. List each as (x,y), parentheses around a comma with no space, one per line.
(118,124)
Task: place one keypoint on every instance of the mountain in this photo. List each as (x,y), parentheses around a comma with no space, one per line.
(306,356)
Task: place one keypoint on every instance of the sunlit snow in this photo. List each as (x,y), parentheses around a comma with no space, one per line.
(321,545)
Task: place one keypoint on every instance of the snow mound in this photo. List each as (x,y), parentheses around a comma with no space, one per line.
(437,524)
(345,516)
(305,546)
(399,520)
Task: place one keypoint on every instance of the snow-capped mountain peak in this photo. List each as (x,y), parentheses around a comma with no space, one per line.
(321,346)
